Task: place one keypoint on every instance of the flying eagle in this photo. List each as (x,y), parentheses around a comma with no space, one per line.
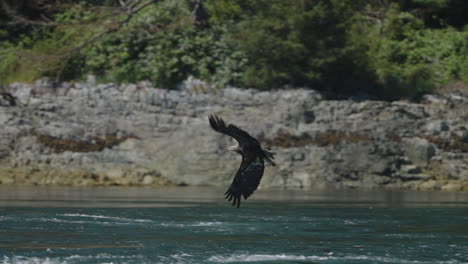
(251,168)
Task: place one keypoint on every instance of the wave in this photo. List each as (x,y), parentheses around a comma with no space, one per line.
(236,258)
(192,224)
(120,219)
(207,224)
(180,257)
(87,219)
(77,221)
(57,220)
(71,259)
(240,258)
(30,260)
(261,257)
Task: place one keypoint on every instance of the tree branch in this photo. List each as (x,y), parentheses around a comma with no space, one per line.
(130,14)
(132,10)
(112,23)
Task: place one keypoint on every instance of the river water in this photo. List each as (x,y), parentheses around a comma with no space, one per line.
(195,225)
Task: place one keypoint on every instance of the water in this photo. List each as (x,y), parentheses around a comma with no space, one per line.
(194,225)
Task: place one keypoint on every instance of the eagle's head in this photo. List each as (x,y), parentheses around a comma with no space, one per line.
(235,148)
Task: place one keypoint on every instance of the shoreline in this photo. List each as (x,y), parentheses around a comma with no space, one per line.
(145,197)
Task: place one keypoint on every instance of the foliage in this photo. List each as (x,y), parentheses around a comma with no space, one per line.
(406,57)
(161,45)
(47,51)
(290,43)
(387,48)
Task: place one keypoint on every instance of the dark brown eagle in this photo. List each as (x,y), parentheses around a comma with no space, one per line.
(250,173)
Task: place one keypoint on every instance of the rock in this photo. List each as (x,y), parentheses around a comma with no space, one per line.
(195,86)
(411,169)
(6,180)
(452,186)
(418,150)
(91,80)
(147,180)
(22,92)
(114,174)
(429,185)
(134,134)
(436,127)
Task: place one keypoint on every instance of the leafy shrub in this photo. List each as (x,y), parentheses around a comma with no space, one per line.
(163,46)
(407,58)
(388,48)
(47,51)
(291,43)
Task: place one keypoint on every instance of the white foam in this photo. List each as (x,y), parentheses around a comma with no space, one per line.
(180,256)
(237,258)
(106,217)
(192,224)
(56,220)
(380,259)
(32,260)
(328,257)
(66,260)
(207,224)
(263,257)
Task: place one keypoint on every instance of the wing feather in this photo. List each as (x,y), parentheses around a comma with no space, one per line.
(245,182)
(240,135)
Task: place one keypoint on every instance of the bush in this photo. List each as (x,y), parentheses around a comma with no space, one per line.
(47,51)
(163,46)
(388,48)
(291,43)
(405,57)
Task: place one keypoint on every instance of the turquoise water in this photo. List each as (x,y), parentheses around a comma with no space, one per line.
(194,225)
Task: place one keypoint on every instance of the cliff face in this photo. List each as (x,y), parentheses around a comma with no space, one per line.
(134,134)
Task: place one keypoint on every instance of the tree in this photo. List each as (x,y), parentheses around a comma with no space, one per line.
(293,43)
(74,29)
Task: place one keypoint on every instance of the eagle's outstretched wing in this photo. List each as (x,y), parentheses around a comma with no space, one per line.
(250,173)
(245,182)
(240,135)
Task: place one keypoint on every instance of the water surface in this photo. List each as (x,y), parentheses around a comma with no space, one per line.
(194,225)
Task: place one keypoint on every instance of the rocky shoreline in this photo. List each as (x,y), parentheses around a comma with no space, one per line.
(89,134)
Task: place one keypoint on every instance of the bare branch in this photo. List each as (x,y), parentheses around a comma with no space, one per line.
(198,14)
(130,14)
(116,26)
(133,4)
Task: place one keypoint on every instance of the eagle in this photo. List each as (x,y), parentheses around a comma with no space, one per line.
(251,169)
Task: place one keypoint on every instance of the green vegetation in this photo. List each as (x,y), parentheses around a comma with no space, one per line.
(404,54)
(387,48)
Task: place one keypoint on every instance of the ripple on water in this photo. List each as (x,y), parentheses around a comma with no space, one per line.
(89,219)
(123,219)
(242,258)
(235,258)
(261,257)
(101,258)
(191,224)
